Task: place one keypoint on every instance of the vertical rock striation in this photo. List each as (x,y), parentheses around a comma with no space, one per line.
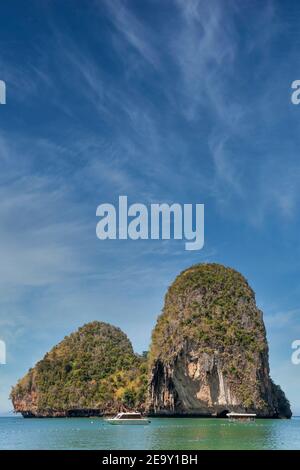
(209,353)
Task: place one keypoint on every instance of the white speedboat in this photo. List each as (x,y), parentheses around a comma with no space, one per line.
(128,418)
(241,416)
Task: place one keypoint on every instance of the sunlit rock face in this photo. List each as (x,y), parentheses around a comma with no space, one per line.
(209,353)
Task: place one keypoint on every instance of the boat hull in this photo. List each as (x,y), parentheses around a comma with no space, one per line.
(129,421)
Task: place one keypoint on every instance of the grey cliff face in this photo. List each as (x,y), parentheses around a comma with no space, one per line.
(209,351)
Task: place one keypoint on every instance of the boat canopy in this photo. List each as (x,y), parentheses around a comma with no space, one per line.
(128,416)
(241,415)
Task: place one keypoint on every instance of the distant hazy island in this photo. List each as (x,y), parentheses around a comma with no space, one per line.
(208,356)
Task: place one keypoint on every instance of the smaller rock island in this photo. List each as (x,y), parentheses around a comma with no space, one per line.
(92,372)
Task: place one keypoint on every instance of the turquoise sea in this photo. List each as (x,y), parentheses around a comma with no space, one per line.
(162,433)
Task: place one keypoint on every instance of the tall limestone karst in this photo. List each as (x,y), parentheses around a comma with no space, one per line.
(209,353)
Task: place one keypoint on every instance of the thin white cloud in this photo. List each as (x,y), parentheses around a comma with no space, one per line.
(289,318)
(38,231)
(137,34)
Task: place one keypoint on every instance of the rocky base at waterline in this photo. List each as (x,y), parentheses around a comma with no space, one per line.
(208,356)
(209,353)
(81,413)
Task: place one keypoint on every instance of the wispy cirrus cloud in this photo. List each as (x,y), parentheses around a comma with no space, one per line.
(138,34)
(204,50)
(39,219)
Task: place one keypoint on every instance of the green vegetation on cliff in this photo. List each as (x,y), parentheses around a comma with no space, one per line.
(93,368)
(208,354)
(202,305)
(210,312)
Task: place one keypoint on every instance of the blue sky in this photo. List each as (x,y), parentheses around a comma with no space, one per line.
(173,101)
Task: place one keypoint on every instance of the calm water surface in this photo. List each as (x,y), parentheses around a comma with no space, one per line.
(167,433)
